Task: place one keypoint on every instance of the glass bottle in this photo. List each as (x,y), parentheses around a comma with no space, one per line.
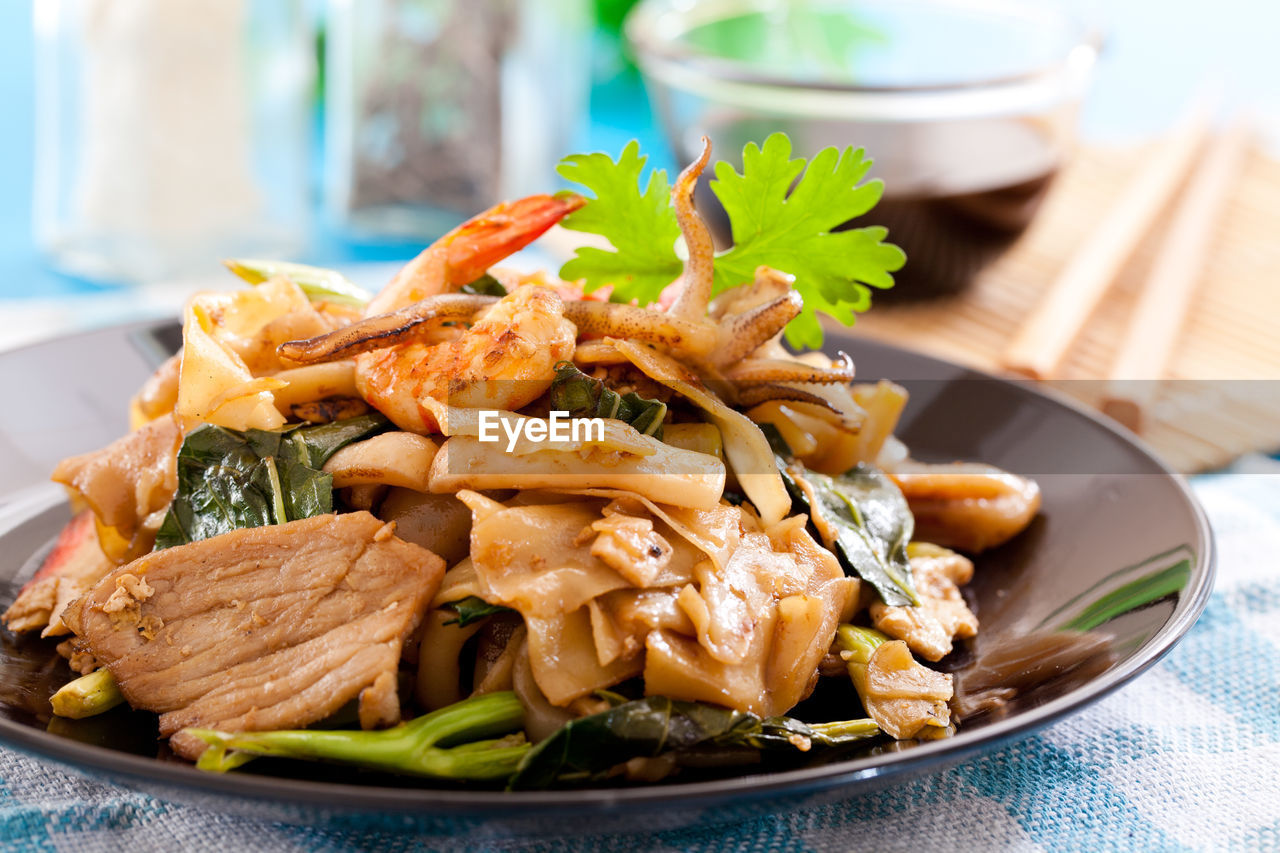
(436,109)
(170,133)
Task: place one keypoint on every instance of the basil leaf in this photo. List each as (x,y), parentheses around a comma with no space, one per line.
(583,396)
(321,441)
(229,479)
(867,514)
(869,520)
(485,285)
(473,609)
(586,749)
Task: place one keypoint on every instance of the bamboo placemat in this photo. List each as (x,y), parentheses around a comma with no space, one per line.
(1206,411)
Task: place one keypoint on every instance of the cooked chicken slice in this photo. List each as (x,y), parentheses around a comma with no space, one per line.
(942,615)
(905,698)
(267,628)
(74,565)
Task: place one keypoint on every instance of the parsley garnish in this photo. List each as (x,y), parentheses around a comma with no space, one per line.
(640,225)
(775,220)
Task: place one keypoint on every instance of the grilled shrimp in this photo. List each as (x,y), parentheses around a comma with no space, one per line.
(463,255)
(505,361)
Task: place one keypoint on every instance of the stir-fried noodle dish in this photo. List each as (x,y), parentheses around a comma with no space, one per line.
(529,530)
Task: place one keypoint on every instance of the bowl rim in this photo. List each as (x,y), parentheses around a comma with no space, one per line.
(643,24)
(149,773)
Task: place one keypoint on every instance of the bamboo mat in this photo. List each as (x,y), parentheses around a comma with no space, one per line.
(1215,402)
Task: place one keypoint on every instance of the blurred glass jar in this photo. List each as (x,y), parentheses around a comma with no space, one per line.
(436,109)
(967,107)
(170,133)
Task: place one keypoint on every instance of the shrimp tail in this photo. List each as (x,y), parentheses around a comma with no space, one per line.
(463,255)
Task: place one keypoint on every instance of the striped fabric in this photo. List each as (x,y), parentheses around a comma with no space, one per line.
(1185,758)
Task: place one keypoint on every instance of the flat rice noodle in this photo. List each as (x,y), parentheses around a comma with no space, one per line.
(314,382)
(668,475)
(715,532)
(538,559)
(128,485)
(617,435)
(793,598)
(745,446)
(229,342)
(541,718)
(724,605)
(209,370)
(562,656)
(534,558)
(620,620)
(400,459)
(459,582)
(439,671)
(253,322)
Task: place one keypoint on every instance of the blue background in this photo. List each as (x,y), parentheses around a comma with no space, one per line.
(1157,52)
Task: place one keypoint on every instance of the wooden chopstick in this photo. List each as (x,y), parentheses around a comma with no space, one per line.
(1044,338)
(1166,292)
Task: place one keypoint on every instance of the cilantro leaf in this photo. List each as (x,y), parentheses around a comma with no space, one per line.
(641,225)
(791,231)
(782,213)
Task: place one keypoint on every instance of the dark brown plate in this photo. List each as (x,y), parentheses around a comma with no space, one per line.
(1113,514)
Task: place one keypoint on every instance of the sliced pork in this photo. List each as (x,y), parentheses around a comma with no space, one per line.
(264,628)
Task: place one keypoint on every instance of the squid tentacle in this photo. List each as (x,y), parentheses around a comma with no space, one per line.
(699,271)
(766,370)
(754,394)
(384,330)
(743,334)
(618,320)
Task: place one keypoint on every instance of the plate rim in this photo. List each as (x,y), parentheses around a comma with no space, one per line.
(147,773)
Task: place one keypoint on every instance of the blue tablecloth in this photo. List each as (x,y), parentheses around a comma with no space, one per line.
(1187,757)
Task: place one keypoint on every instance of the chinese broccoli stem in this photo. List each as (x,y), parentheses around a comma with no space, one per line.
(88,695)
(319,284)
(843,731)
(856,647)
(456,742)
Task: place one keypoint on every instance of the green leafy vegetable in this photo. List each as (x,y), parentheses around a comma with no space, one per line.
(782,212)
(319,284)
(586,748)
(485,285)
(472,609)
(641,225)
(792,231)
(862,517)
(229,479)
(867,519)
(456,742)
(583,396)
